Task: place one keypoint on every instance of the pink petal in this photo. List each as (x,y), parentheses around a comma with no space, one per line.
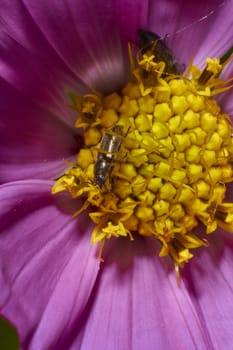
(31,66)
(199,29)
(48,267)
(210,285)
(37,64)
(219,38)
(89,38)
(225,98)
(33,141)
(138,305)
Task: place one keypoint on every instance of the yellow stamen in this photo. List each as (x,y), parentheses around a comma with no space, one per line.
(174,159)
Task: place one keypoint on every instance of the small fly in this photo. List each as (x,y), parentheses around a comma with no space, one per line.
(109,147)
(153,43)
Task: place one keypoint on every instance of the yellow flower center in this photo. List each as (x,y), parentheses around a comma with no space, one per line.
(156,158)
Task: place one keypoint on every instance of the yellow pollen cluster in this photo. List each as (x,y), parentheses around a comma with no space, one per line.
(174,159)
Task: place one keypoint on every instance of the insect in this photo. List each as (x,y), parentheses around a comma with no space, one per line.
(153,43)
(109,147)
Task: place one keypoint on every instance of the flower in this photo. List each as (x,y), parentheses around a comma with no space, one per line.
(54,288)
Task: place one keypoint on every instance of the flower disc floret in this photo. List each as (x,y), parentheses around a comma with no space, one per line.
(170,171)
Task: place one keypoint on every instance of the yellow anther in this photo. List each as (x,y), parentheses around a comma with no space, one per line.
(208,157)
(142,122)
(178,87)
(181,142)
(62,183)
(92,136)
(160,130)
(212,107)
(122,188)
(162,95)
(194,172)
(162,112)
(155,184)
(139,184)
(183,256)
(133,140)
(198,206)
(186,195)
(179,176)
(109,118)
(163,170)
(85,158)
(90,171)
(146,104)
(203,189)
(227,173)
(112,101)
(132,91)
(190,120)
(165,146)
(197,136)
(165,228)
(213,65)
(146,228)
(148,62)
(214,174)
(208,122)
(149,141)
(144,91)
(129,107)
(167,191)
(223,128)
(179,104)
(161,207)
(191,241)
(176,212)
(218,194)
(147,197)
(132,223)
(144,213)
(109,231)
(138,157)
(147,170)
(193,154)
(222,156)
(197,103)
(214,142)
(174,123)
(128,169)
(88,107)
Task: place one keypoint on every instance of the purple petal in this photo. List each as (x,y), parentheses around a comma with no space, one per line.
(219,37)
(29,63)
(43,49)
(48,267)
(33,141)
(210,285)
(140,306)
(225,98)
(199,29)
(89,39)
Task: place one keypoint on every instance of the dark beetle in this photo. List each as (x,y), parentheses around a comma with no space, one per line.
(151,42)
(109,147)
